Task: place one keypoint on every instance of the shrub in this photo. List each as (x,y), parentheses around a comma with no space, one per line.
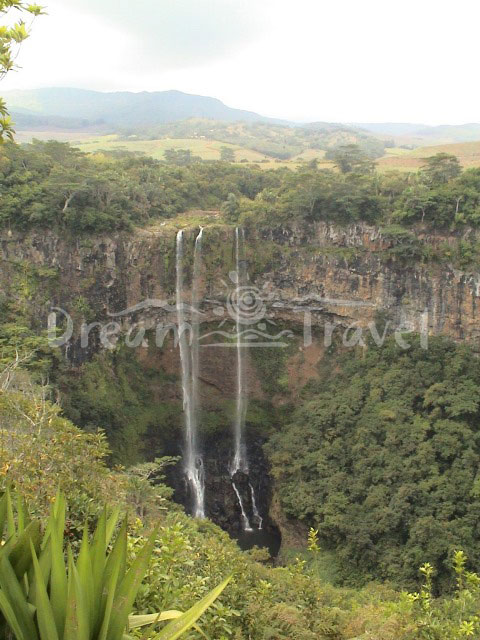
(45,597)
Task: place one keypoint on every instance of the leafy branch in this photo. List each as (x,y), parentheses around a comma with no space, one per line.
(11,37)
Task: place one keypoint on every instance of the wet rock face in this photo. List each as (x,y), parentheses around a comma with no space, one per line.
(337,274)
(350,274)
(221,501)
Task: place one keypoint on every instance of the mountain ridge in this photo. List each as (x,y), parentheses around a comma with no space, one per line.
(126,108)
(143,113)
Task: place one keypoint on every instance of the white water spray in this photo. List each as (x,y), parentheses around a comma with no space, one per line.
(256,514)
(245,521)
(240,458)
(189,359)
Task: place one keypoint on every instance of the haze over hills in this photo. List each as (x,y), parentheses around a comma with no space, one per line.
(80,108)
(125,109)
(420,134)
(390,128)
(173,115)
(153,122)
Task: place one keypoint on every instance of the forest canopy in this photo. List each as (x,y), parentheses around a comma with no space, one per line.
(51,184)
(382,458)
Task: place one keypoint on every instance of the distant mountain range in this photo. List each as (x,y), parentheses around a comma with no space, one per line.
(126,112)
(122,109)
(422,133)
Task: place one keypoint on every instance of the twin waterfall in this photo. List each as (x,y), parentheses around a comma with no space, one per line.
(189,359)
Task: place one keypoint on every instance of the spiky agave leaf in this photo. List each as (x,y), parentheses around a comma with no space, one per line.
(58,580)
(14,604)
(44,610)
(176,628)
(136,621)
(128,589)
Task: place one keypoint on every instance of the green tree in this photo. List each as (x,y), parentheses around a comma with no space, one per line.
(231,208)
(11,36)
(227,154)
(180,157)
(350,158)
(441,168)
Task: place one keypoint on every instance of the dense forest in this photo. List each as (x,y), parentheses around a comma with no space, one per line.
(382,459)
(380,464)
(52,184)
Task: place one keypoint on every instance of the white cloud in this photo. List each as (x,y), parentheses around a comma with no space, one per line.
(311,60)
(70,48)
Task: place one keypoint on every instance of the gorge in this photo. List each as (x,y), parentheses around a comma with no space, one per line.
(310,285)
(239,354)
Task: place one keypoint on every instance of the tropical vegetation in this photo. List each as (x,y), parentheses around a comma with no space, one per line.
(54,185)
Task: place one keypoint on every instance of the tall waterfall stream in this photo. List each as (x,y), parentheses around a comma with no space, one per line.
(190,363)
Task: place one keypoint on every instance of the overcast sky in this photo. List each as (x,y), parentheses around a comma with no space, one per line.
(340,60)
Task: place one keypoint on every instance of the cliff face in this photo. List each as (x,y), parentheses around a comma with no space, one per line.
(353,274)
(306,285)
(345,275)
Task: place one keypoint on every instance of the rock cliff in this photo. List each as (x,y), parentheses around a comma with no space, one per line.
(344,274)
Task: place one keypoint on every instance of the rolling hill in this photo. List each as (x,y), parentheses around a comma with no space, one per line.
(153,122)
(415,135)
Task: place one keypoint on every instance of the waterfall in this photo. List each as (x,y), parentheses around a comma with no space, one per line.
(189,360)
(240,458)
(245,521)
(256,514)
(199,481)
(240,461)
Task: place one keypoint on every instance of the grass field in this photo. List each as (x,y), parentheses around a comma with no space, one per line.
(468,154)
(396,158)
(206,149)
